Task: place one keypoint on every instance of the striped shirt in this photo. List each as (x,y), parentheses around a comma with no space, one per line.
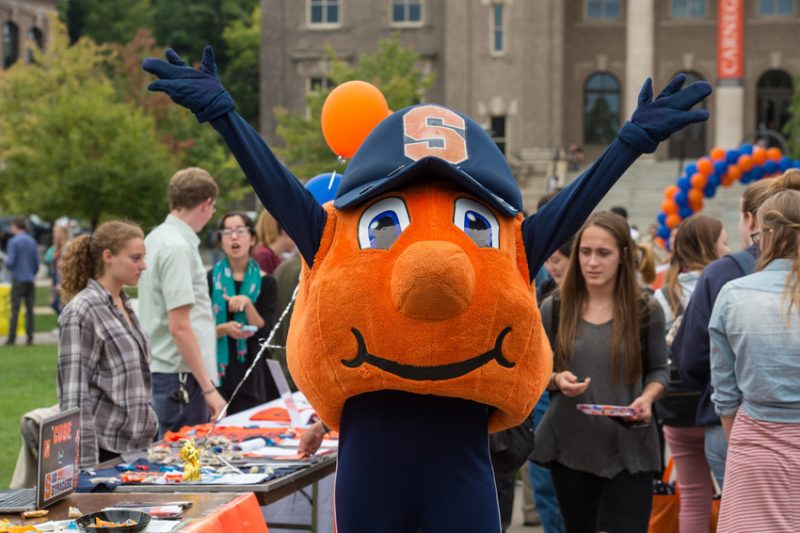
(104,369)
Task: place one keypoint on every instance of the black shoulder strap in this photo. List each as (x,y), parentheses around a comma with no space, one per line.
(555,316)
(745,260)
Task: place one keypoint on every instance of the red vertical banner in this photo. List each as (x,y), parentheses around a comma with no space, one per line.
(730,39)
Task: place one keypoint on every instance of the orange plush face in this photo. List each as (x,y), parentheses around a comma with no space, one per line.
(423,290)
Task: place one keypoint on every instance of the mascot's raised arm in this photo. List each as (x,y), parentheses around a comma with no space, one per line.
(415,330)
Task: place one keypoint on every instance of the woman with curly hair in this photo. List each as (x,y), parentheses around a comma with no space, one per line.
(103,352)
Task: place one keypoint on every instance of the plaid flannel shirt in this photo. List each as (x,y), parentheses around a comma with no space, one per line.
(104,369)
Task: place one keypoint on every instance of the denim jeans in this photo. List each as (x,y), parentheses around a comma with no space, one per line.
(173,415)
(716,451)
(543,491)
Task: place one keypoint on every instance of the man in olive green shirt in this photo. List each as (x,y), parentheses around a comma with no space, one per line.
(175,308)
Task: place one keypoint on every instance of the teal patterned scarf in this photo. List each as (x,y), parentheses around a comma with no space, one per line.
(223,285)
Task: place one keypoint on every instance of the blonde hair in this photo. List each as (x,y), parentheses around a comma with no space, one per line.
(82,259)
(780,214)
(647,263)
(267,228)
(789,180)
(190,187)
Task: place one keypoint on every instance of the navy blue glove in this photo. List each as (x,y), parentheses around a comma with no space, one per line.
(670,112)
(200,91)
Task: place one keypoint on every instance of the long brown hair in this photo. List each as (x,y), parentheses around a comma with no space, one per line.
(628,306)
(695,247)
(780,214)
(82,259)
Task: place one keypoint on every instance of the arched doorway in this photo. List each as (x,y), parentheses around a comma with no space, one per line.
(601,108)
(690,142)
(10,44)
(773,98)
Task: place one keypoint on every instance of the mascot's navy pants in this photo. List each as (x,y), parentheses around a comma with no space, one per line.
(410,463)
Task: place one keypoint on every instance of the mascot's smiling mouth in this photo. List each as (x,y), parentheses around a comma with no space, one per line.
(431,373)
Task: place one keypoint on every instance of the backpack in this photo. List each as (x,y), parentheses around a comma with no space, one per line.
(511,447)
(678,407)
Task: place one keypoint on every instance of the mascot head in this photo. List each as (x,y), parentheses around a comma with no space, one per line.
(420,283)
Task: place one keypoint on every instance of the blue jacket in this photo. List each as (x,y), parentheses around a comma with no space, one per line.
(22,258)
(691,348)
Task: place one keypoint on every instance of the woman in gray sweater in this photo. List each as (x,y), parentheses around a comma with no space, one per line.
(609,348)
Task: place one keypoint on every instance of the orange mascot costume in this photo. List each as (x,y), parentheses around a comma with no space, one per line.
(416,331)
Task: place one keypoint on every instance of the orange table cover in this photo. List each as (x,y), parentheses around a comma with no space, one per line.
(241,514)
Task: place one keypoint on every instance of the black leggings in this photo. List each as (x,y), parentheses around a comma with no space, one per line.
(627,499)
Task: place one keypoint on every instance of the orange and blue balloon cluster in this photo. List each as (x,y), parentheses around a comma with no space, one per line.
(701,179)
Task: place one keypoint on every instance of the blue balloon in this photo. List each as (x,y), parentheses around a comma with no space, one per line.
(709,191)
(682,199)
(686,212)
(691,169)
(746,149)
(720,168)
(747,177)
(714,181)
(661,218)
(771,167)
(732,157)
(323,188)
(757,173)
(796,163)
(663,232)
(685,183)
(786,163)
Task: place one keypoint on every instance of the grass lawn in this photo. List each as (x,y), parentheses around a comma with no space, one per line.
(28,381)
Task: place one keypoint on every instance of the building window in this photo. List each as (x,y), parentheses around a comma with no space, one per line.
(773,101)
(603,9)
(36,37)
(320,84)
(498,29)
(324,12)
(775,8)
(10,44)
(684,9)
(497,130)
(407,12)
(601,104)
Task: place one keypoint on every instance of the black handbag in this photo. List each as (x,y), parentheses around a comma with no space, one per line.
(511,447)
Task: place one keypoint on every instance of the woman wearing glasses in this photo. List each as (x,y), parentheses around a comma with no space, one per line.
(243,300)
(755,372)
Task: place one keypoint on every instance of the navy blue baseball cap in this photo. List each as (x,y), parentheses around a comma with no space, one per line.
(429,142)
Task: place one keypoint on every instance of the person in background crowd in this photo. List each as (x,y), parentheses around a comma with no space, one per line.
(609,349)
(51,258)
(556,266)
(22,260)
(103,352)
(755,372)
(700,240)
(690,348)
(273,244)
(623,212)
(175,307)
(646,268)
(241,295)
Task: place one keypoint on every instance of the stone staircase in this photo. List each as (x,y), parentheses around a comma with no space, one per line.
(641,191)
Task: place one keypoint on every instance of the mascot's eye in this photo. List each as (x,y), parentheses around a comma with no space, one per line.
(382,223)
(478,222)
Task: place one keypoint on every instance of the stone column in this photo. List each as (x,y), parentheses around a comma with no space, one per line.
(729,115)
(639,44)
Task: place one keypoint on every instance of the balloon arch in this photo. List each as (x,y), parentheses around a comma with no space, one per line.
(702,178)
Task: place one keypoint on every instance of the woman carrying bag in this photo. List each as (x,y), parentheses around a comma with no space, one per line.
(609,349)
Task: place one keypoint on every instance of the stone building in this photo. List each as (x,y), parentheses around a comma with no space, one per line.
(542,74)
(23,24)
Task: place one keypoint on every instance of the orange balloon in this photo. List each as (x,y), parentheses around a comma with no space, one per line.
(696,205)
(699,181)
(673,220)
(717,153)
(671,191)
(735,173)
(349,114)
(726,181)
(705,166)
(695,195)
(670,207)
(745,163)
(774,154)
(759,155)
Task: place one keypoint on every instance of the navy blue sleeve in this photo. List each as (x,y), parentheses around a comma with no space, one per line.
(280,192)
(691,348)
(551,226)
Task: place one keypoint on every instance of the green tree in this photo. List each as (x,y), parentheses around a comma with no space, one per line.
(106,21)
(393,69)
(792,127)
(243,40)
(70,147)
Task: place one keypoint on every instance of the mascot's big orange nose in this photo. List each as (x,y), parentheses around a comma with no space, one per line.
(432,280)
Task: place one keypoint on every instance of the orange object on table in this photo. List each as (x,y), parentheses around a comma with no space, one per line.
(241,514)
(272,414)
